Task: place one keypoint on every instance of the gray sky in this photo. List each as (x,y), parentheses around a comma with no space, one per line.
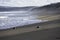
(21,3)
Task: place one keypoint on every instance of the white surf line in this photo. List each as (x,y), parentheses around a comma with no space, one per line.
(2,17)
(14,12)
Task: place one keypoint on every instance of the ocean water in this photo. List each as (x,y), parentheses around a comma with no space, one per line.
(10,20)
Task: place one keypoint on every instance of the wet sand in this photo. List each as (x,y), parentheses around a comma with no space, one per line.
(46,34)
